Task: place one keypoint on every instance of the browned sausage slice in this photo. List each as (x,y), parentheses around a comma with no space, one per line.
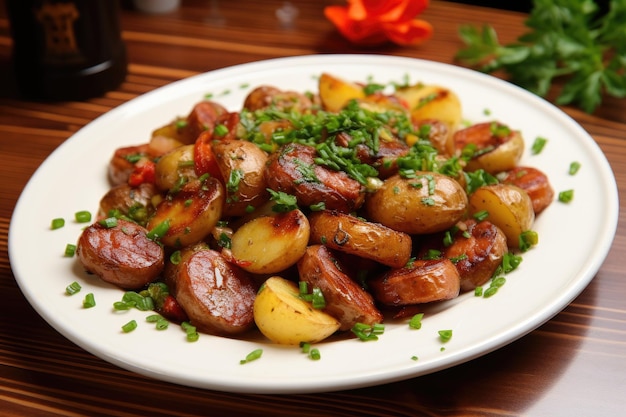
(217,296)
(423,281)
(345,299)
(292,169)
(122,255)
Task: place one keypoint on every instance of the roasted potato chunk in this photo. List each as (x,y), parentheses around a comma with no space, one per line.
(428,203)
(285,318)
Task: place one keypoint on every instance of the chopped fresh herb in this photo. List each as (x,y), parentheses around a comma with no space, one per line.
(573,168)
(130,326)
(567,40)
(538,145)
(190,331)
(108,223)
(82,216)
(416,321)
(220,130)
(528,239)
(283,202)
(89,301)
(70,250)
(445,335)
(252,356)
(73,288)
(57,223)
(478,291)
(159,230)
(481,215)
(566,196)
(365,332)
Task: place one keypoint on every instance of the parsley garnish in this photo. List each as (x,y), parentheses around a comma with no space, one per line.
(567,40)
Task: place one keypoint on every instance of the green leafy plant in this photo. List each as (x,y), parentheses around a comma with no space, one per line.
(568,40)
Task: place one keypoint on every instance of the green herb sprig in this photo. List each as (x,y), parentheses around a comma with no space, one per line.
(568,40)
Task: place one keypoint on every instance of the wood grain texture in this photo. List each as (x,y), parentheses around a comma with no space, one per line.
(573,365)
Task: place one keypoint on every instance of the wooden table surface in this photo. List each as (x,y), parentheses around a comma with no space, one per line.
(574,365)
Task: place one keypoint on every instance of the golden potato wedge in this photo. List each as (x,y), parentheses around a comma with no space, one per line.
(509,207)
(428,203)
(284,318)
(174,165)
(242,165)
(335,93)
(432,102)
(192,212)
(270,244)
(349,234)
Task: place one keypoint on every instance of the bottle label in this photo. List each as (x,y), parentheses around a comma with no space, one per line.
(57,21)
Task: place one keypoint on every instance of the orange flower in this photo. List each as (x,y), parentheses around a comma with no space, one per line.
(371,22)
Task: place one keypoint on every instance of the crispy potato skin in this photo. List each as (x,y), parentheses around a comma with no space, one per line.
(423,281)
(217,296)
(284,172)
(345,299)
(429,203)
(121,255)
(246,161)
(509,207)
(335,92)
(349,234)
(174,165)
(270,244)
(192,212)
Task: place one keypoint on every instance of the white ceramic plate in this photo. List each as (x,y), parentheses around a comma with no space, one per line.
(574,240)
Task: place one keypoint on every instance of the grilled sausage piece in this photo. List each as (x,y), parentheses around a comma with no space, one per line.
(292,169)
(423,281)
(122,255)
(479,248)
(345,299)
(216,295)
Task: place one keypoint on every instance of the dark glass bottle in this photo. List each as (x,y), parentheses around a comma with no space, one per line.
(66,49)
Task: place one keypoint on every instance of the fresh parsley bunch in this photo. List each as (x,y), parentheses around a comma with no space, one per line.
(568,40)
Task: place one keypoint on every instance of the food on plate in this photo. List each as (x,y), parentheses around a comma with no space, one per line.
(306,214)
(285,318)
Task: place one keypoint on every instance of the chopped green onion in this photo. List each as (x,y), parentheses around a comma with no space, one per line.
(315,354)
(82,216)
(159,230)
(416,321)
(108,223)
(528,239)
(366,332)
(89,301)
(478,291)
(190,330)
(129,327)
(574,167)
(121,306)
(57,223)
(414,358)
(490,292)
(252,356)
(73,288)
(220,130)
(445,335)
(70,250)
(481,215)
(175,257)
(538,145)
(566,196)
